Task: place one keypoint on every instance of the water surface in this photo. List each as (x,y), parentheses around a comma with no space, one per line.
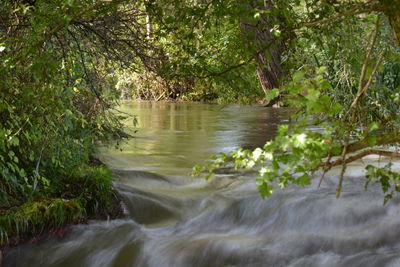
(176,220)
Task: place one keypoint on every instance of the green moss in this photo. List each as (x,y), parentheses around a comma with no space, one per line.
(85,192)
(34,217)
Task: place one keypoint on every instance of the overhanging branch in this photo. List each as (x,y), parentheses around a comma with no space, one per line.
(380,140)
(328,165)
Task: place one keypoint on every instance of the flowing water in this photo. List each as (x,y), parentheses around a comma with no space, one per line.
(173,219)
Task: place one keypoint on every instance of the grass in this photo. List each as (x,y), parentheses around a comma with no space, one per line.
(86,192)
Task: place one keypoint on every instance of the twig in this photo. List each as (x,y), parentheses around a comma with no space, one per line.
(35,182)
(22,127)
(344,165)
(85,69)
(371,77)
(326,169)
(359,9)
(371,43)
(392,154)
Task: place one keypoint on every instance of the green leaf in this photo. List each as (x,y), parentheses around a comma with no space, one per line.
(371,140)
(313,95)
(264,188)
(304,180)
(271,94)
(374,126)
(298,76)
(322,70)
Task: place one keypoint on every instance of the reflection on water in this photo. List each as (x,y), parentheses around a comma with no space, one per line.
(173,137)
(175,220)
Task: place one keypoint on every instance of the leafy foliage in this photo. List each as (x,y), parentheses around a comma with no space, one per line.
(323,134)
(343,111)
(55,105)
(63,68)
(388,179)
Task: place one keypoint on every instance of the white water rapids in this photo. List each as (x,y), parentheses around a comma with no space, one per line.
(175,220)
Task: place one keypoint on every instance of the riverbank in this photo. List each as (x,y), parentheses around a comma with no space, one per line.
(86,194)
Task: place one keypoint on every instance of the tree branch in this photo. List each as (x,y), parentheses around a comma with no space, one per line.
(329,165)
(370,6)
(383,139)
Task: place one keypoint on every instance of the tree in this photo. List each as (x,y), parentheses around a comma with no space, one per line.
(56,104)
(58,89)
(267,42)
(390,8)
(353,127)
(192,33)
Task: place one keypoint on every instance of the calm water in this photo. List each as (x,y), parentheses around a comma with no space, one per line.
(175,220)
(173,137)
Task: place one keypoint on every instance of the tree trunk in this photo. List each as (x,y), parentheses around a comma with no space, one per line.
(268,48)
(391,8)
(269,65)
(148,26)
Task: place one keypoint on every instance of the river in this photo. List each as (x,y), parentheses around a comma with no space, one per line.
(173,219)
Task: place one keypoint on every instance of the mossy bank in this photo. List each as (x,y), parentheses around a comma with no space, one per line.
(84,194)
